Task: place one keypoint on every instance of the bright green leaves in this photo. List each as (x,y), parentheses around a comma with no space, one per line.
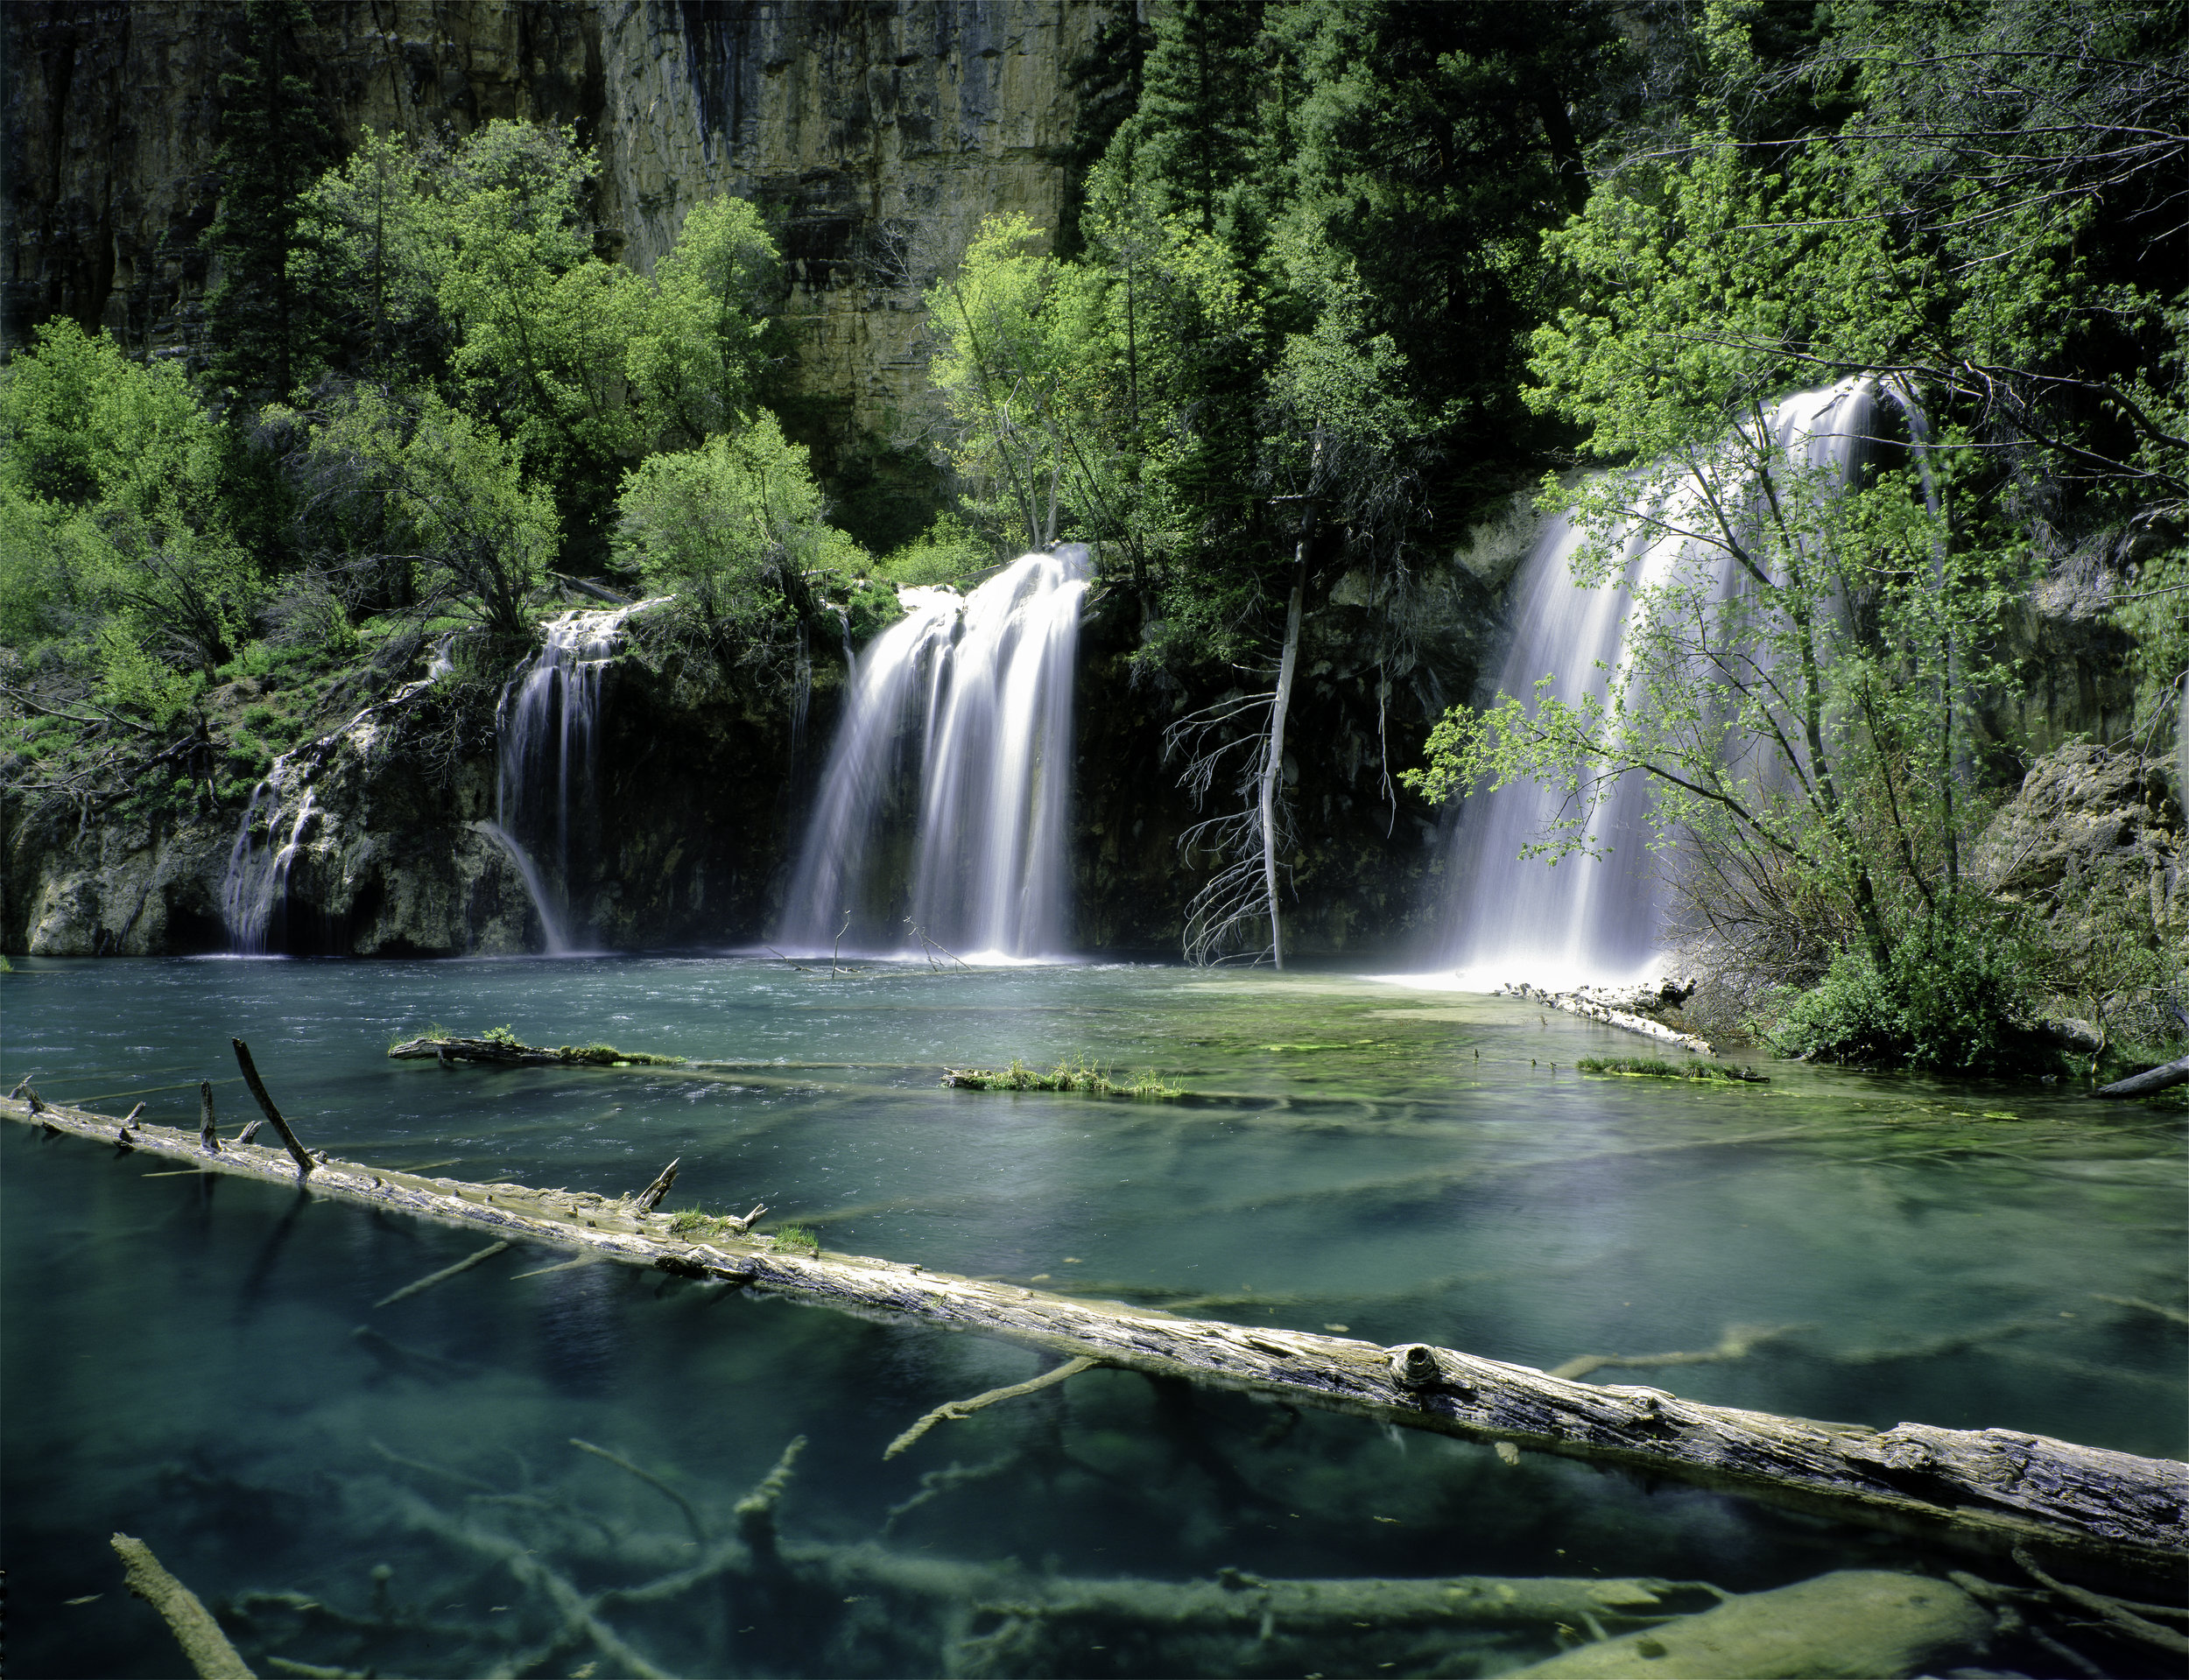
(731,529)
(110,472)
(699,351)
(442,498)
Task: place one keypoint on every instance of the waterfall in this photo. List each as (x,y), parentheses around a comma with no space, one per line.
(944,805)
(547,729)
(1598,919)
(256,888)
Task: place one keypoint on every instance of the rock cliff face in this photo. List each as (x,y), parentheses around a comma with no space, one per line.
(878,132)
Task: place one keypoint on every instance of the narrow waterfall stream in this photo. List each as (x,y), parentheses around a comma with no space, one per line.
(548,731)
(1598,919)
(943,809)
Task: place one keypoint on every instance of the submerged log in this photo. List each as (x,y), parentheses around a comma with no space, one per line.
(507,1052)
(1989,1489)
(1856,1622)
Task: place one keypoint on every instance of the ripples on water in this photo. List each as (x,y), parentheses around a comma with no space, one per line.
(182,1359)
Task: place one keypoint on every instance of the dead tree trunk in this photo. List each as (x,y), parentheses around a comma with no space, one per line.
(1273,762)
(1989,1489)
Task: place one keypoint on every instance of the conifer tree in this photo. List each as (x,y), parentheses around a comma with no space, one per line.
(263,324)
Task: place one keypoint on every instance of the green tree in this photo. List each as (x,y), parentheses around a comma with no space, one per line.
(704,342)
(731,529)
(425,489)
(120,469)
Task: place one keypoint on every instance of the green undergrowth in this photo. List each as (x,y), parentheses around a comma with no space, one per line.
(1083,1075)
(796,1239)
(1652,1067)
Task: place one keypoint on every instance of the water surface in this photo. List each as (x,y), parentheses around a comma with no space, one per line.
(183,1358)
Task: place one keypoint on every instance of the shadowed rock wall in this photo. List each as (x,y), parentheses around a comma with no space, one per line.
(877,133)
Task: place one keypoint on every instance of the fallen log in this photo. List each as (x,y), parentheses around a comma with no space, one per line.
(1592,1009)
(1986,1489)
(1861,1621)
(2149,1084)
(507,1052)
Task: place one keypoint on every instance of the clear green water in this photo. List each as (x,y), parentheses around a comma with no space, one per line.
(181,1361)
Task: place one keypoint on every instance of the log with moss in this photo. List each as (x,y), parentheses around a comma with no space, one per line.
(1987,1489)
(501,1049)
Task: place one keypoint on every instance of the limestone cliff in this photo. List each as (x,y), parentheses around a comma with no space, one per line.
(877,132)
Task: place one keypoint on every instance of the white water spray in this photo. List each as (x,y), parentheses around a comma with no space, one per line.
(255,888)
(548,729)
(947,796)
(1600,919)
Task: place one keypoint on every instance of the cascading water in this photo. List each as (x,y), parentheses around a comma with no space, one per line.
(1599,919)
(947,791)
(254,892)
(547,727)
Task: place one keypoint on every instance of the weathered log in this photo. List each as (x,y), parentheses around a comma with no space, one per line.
(1987,1489)
(258,1090)
(211,1656)
(2150,1084)
(650,1197)
(1590,1009)
(1851,1622)
(209,1134)
(507,1052)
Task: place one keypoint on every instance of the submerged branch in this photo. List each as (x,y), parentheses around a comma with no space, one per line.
(950,1410)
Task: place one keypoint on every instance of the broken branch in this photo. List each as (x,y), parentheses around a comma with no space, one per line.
(258,1090)
(956,1409)
(211,1656)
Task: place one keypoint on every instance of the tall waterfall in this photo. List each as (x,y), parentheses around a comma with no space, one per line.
(943,808)
(1602,918)
(547,727)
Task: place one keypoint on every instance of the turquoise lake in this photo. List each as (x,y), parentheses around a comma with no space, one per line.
(199,1361)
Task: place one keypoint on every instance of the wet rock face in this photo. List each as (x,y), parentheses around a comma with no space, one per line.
(878,135)
(2090,820)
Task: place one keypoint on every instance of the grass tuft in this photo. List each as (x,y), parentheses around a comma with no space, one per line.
(1083,1075)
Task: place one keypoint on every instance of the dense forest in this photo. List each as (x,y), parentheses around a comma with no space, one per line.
(1336,277)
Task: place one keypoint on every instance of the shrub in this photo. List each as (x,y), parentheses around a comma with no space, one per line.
(1950,1001)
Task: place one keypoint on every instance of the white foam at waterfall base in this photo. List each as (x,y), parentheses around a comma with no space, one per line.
(1595,919)
(944,807)
(547,734)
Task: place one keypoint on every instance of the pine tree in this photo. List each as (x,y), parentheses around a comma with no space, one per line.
(263,325)
(1194,135)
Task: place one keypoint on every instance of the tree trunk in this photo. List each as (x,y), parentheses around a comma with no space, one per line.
(1988,1489)
(1273,766)
(2150,1084)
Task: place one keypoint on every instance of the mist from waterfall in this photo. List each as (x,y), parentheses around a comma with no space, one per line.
(1602,918)
(941,822)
